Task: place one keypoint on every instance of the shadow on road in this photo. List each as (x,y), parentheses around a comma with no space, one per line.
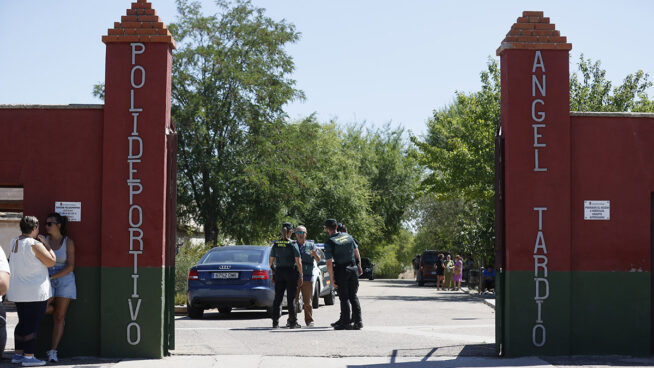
(444,297)
(233,315)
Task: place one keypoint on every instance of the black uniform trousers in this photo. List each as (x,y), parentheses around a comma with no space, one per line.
(286,279)
(347,279)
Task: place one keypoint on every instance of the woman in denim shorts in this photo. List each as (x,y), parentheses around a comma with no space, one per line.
(62,279)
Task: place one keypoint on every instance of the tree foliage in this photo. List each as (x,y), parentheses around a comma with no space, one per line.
(456,211)
(231,79)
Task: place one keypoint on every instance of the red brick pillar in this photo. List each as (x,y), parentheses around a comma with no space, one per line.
(135,183)
(536,128)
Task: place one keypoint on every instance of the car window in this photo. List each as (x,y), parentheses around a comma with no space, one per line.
(429,258)
(235,256)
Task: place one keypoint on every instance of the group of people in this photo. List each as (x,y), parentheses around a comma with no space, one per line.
(38,277)
(449,273)
(292,263)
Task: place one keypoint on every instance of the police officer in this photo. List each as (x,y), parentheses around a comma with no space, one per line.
(344,267)
(286,266)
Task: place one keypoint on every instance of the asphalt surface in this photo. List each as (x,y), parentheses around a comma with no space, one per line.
(405,326)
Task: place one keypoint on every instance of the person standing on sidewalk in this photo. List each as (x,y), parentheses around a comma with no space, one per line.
(62,278)
(344,267)
(309,256)
(286,269)
(4,286)
(29,287)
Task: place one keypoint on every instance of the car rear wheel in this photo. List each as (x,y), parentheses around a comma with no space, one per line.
(315,301)
(225,310)
(372,276)
(194,312)
(329,299)
(421,281)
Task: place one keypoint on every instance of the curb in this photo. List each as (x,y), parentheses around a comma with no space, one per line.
(484,300)
(180,310)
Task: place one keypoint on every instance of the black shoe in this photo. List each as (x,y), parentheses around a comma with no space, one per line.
(357,325)
(294,325)
(343,326)
(275,324)
(336,323)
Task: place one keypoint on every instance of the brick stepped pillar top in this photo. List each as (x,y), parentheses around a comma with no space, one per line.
(141,24)
(533,31)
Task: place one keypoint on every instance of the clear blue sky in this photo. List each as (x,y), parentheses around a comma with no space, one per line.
(370,61)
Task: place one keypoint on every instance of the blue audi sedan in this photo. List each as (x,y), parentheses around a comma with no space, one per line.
(230,277)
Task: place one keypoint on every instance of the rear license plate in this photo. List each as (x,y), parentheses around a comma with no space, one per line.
(225,275)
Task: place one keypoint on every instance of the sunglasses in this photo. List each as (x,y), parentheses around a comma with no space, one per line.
(300,232)
(51,223)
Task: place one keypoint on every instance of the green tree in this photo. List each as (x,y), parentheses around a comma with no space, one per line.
(458,153)
(231,79)
(592,91)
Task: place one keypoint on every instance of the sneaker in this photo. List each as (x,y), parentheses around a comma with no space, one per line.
(52,356)
(275,324)
(17,358)
(294,325)
(357,325)
(310,324)
(32,362)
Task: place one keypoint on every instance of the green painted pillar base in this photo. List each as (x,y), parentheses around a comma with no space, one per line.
(132,324)
(82,330)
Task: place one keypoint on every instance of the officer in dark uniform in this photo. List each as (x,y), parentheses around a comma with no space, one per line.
(286,267)
(344,267)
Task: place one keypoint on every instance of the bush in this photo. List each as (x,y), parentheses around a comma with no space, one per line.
(187,257)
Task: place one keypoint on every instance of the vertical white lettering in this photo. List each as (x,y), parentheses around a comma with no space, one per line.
(538,62)
(536,135)
(544,281)
(139,217)
(132,153)
(539,316)
(136,123)
(138,238)
(541,114)
(541,342)
(137,330)
(541,87)
(135,293)
(131,77)
(131,103)
(540,243)
(136,253)
(134,313)
(134,188)
(540,216)
(141,49)
(540,262)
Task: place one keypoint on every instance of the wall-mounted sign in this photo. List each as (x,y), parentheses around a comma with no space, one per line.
(597,210)
(72,210)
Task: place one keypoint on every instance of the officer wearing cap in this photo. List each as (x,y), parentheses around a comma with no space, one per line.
(343,265)
(286,267)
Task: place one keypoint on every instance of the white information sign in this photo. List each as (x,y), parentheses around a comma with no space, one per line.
(72,210)
(597,210)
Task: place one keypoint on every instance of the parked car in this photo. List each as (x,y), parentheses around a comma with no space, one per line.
(239,277)
(368,269)
(427,270)
(323,286)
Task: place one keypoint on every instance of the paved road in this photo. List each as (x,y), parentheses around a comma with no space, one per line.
(400,319)
(405,327)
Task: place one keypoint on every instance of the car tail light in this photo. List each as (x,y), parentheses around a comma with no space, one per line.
(260,275)
(421,268)
(193,275)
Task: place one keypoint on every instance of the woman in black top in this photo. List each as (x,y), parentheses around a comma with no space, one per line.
(440,272)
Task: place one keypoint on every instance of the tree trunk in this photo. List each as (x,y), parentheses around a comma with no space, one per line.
(211,233)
